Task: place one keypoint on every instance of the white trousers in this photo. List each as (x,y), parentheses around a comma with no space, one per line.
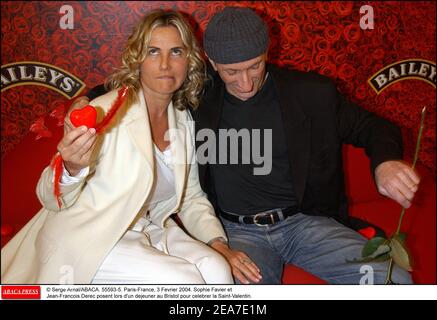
(162,256)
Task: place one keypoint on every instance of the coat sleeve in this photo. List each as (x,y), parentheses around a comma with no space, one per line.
(197,214)
(69,193)
(381,139)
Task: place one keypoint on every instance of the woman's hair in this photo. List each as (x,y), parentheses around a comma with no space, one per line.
(136,51)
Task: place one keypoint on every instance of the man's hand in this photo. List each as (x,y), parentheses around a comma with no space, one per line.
(243,268)
(397,181)
(78,143)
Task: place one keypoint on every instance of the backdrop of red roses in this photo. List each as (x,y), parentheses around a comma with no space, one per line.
(321,36)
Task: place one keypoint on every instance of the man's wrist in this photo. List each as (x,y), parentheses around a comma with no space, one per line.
(218,240)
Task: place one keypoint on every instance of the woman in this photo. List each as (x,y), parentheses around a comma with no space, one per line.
(120,188)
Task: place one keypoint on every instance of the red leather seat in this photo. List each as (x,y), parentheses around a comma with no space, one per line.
(366,203)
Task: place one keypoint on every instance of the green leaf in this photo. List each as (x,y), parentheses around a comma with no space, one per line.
(401,237)
(380,254)
(382,258)
(372,245)
(400,254)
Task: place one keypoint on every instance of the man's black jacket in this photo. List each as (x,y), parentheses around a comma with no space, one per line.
(317,121)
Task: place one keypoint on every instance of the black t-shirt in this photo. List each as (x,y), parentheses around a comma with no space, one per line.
(237,188)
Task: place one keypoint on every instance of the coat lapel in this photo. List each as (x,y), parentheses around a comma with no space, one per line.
(138,127)
(297,128)
(178,146)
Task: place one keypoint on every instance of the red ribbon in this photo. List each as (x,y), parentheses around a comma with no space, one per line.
(56,163)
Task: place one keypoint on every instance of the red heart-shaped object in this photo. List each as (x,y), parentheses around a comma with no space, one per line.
(368,232)
(84,117)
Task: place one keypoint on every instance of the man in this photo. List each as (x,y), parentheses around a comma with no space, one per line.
(297,213)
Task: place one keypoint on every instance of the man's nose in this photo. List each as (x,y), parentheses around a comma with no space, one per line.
(245,82)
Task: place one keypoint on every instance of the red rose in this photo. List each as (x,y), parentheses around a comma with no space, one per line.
(392,22)
(50,18)
(80,71)
(308,27)
(343,8)
(332,33)
(382,31)
(346,72)
(324,7)
(109,21)
(340,57)
(321,58)
(352,48)
(28,96)
(38,33)
(21,25)
(13,7)
(352,32)
(283,12)
(298,15)
(43,54)
(6,26)
(82,57)
(297,55)
(12,96)
(11,129)
(60,37)
(361,92)
(64,50)
(329,70)
(107,65)
(292,32)
(321,44)
(91,25)
(391,103)
(9,39)
(366,60)
(28,10)
(81,39)
(378,54)
(39,109)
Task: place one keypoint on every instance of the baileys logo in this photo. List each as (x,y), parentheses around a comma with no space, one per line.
(41,74)
(402,70)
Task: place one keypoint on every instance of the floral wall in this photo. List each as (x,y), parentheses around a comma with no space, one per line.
(324,37)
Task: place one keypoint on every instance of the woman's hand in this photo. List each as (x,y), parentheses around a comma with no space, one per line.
(77,144)
(243,268)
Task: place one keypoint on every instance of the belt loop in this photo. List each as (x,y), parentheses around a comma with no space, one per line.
(240,219)
(280,214)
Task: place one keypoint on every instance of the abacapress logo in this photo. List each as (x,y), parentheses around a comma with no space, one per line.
(21,292)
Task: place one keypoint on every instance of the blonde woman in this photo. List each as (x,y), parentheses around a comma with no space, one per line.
(119,188)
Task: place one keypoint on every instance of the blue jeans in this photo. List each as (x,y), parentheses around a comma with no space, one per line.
(319,245)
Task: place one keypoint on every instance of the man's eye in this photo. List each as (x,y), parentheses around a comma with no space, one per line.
(255,66)
(231,73)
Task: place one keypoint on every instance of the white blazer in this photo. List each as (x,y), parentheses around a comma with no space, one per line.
(98,210)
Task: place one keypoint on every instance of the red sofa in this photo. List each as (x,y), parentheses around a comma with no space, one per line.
(366,203)
(22,167)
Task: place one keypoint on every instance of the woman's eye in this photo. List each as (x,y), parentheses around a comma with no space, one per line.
(153,52)
(176,52)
